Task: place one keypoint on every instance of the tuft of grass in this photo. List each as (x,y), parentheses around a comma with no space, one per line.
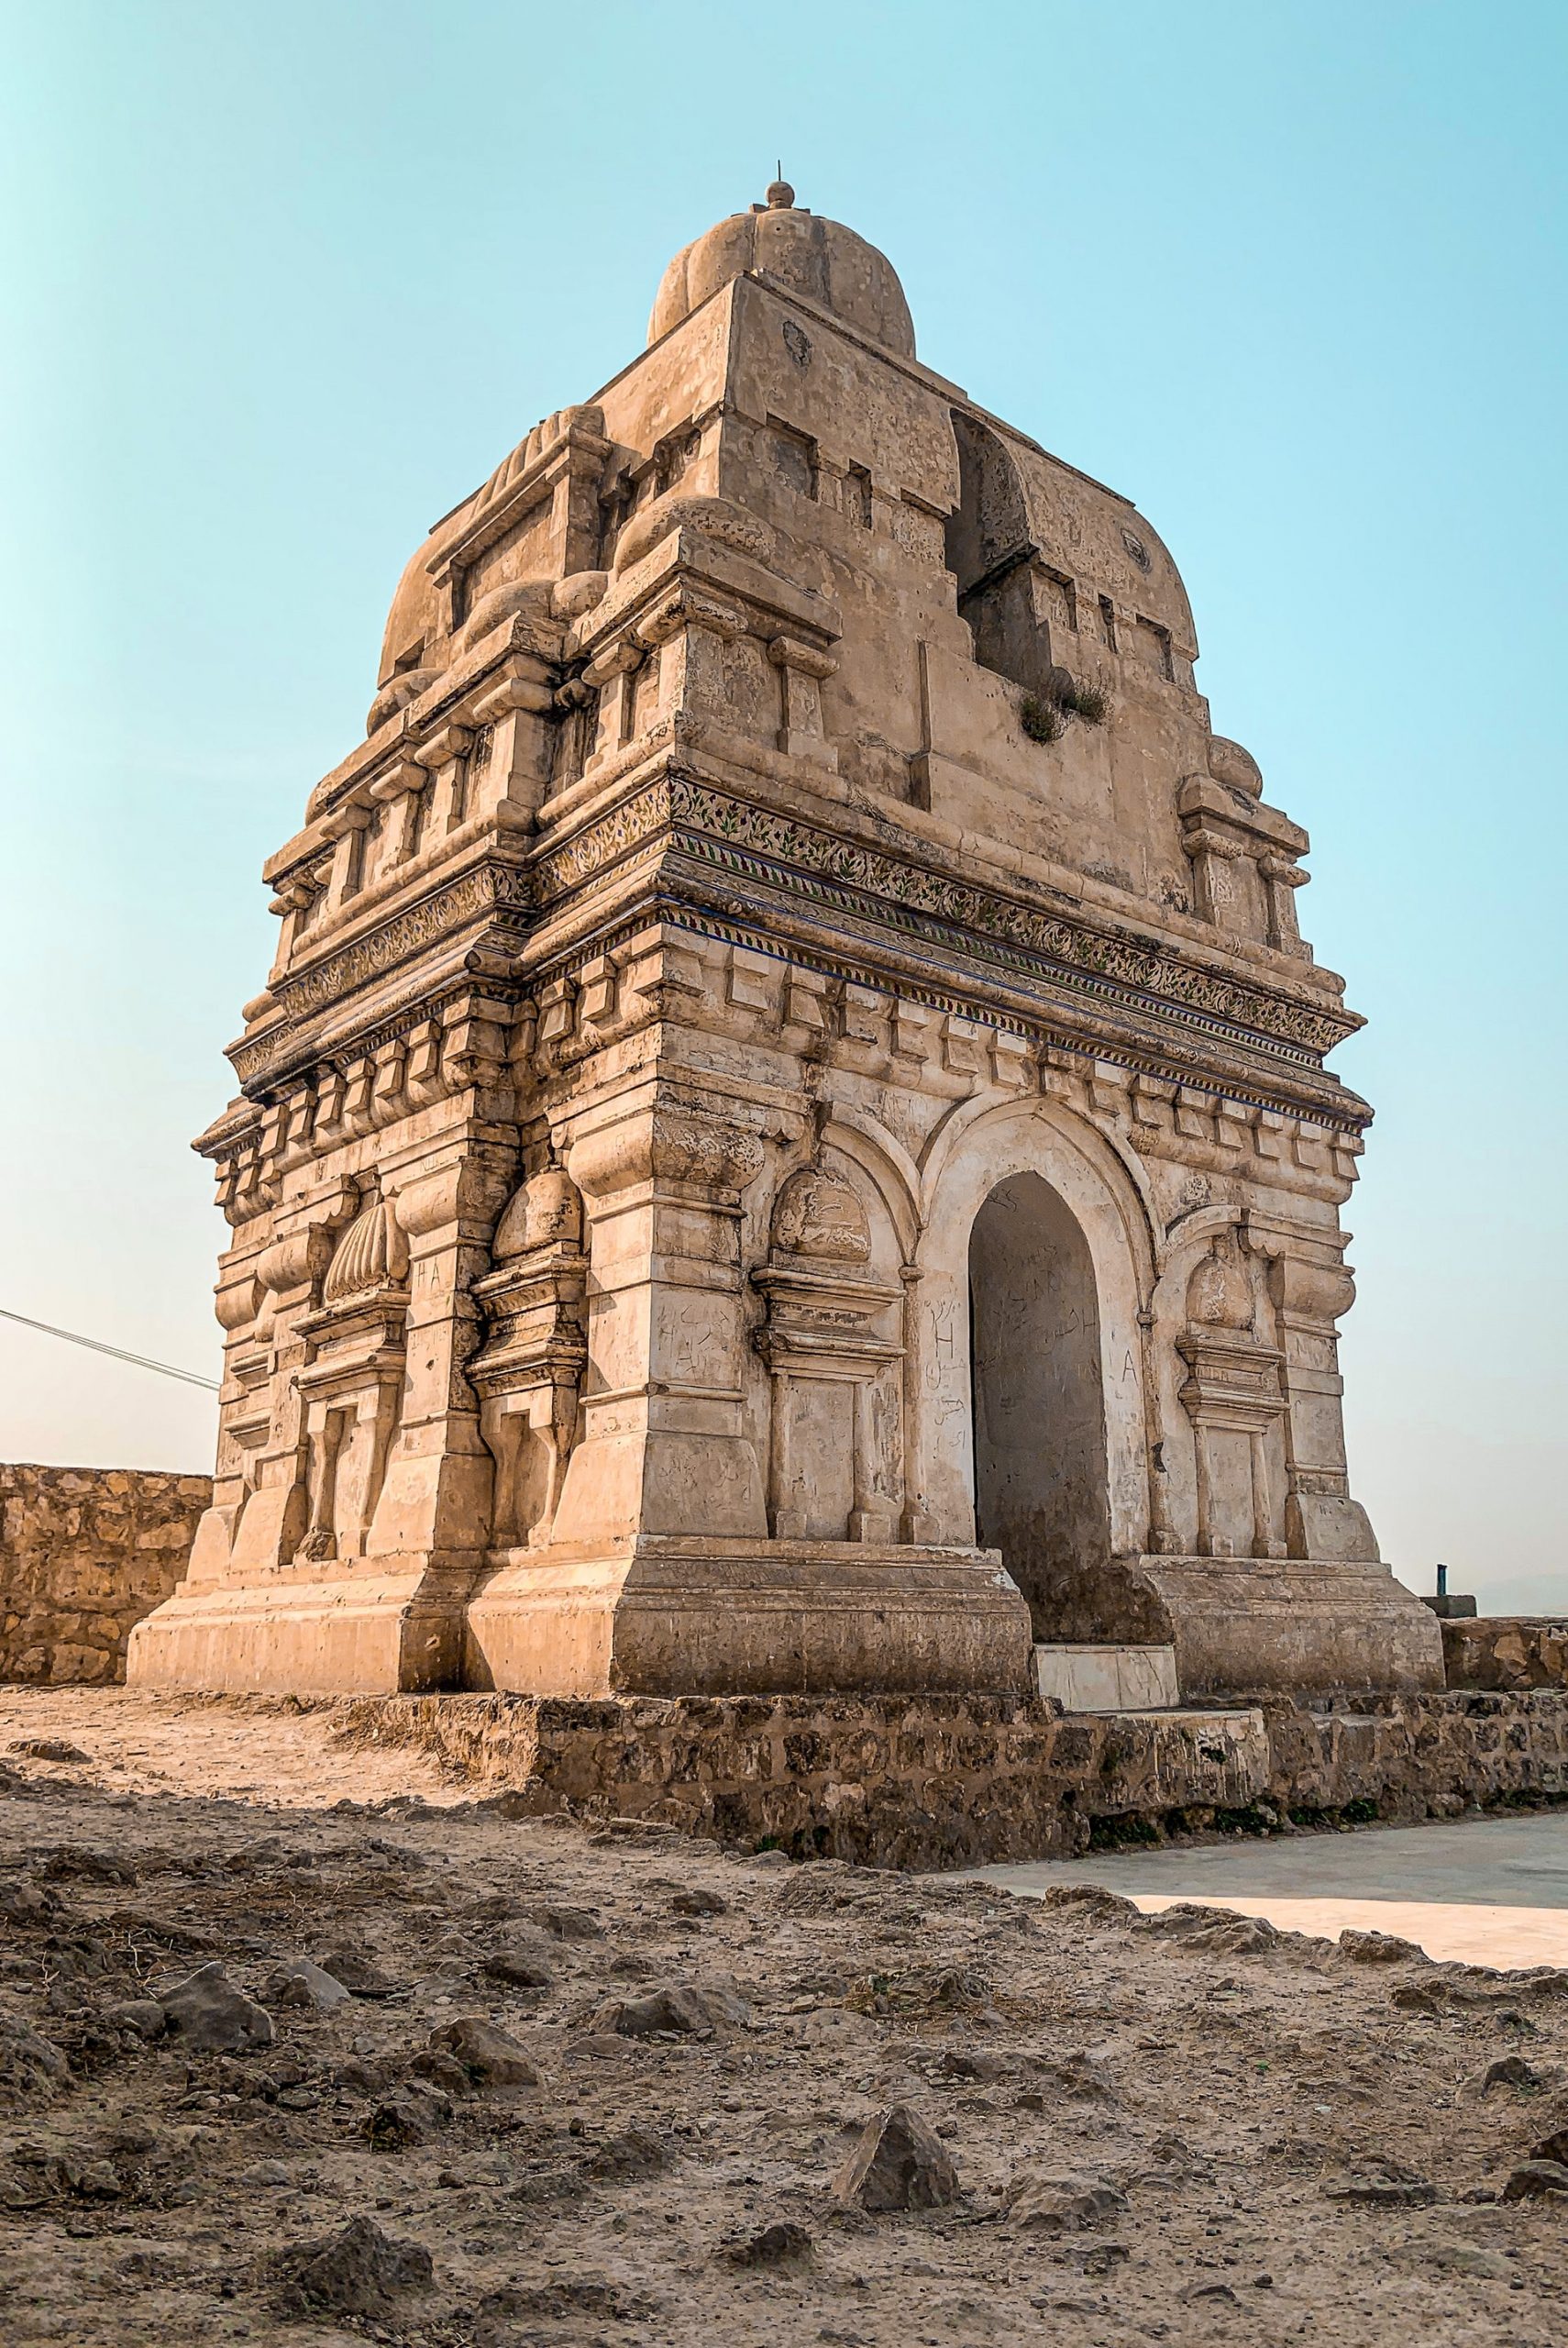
(1041,720)
(1043,717)
(1088,701)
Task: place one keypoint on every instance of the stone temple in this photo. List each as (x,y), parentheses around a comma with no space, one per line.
(787,1144)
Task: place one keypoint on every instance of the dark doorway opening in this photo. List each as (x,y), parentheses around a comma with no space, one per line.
(1041,1476)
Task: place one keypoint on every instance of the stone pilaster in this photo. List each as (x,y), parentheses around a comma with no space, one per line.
(1311,1288)
(662,1448)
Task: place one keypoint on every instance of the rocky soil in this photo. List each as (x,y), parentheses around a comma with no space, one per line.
(300,2044)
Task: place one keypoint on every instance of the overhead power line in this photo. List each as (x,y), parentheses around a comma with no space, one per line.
(118,1353)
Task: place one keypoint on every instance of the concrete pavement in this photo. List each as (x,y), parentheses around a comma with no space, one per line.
(1492,1891)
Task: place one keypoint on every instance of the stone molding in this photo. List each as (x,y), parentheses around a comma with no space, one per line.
(676,811)
(490,885)
(713,825)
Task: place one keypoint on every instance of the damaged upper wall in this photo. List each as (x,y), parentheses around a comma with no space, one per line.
(996,642)
(554,508)
(980,581)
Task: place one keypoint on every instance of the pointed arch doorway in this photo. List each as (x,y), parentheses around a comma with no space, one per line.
(1042,1493)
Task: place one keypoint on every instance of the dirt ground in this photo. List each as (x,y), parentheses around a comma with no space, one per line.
(1186,2127)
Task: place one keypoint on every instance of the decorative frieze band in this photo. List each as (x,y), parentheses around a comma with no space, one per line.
(710,824)
(487,888)
(785,852)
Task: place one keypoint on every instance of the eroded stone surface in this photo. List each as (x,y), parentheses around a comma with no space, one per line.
(1505,1651)
(212,2017)
(85,1553)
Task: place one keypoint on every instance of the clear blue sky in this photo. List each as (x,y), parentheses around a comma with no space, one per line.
(283,284)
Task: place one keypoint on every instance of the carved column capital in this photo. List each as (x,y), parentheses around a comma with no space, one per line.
(687,608)
(666,1143)
(793,652)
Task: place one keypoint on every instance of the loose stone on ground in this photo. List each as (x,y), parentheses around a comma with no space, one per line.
(855,2106)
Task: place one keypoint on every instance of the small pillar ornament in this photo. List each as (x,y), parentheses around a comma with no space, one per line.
(528,1370)
(829,1325)
(1232,1396)
(351,1387)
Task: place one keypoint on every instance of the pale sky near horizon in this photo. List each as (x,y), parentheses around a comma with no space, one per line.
(281,285)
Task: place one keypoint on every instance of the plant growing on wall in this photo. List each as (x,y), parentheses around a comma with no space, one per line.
(1041,720)
(1079,697)
(1043,717)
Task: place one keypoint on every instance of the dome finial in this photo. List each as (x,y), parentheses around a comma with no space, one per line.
(780,195)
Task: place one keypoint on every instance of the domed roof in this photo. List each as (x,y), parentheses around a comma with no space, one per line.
(826,261)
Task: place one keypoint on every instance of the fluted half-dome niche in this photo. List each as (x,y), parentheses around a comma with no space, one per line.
(373,1253)
(819,258)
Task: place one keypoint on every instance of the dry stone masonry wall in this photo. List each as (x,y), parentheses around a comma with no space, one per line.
(84,1552)
(1507,1651)
(934,1781)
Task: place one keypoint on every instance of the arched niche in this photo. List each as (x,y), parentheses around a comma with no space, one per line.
(1037,1399)
(1093,1189)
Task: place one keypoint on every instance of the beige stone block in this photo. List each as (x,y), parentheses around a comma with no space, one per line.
(806,1001)
(366,1633)
(712,1616)
(756,982)
(1108,1679)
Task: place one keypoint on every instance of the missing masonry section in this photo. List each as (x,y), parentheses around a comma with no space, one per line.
(795,458)
(991,557)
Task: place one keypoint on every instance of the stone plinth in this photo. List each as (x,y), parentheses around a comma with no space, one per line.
(1305,1626)
(301,1635)
(671,1616)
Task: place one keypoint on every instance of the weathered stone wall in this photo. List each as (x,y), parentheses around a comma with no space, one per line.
(84,1552)
(961,1780)
(1507,1651)
(778,971)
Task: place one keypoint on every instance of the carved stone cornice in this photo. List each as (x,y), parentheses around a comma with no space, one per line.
(1232,1378)
(828,869)
(668,834)
(489,887)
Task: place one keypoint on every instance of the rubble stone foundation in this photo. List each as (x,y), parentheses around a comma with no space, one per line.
(964,1781)
(1505,1651)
